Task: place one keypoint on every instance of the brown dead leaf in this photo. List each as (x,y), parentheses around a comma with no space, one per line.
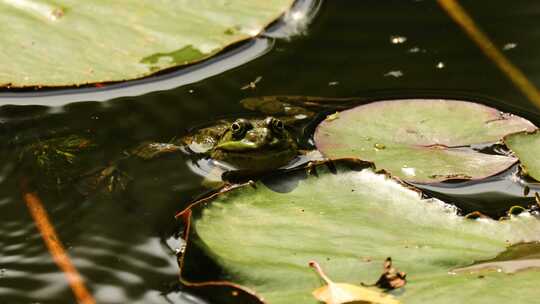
(391,277)
(339,293)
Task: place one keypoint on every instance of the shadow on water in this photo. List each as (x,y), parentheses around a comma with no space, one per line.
(351,49)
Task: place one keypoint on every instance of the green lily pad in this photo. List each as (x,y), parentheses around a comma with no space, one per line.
(526,146)
(62,43)
(350,219)
(419,140)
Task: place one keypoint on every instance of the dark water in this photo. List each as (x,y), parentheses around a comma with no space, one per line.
(119,242)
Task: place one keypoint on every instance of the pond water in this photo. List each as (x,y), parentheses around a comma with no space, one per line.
(123,245)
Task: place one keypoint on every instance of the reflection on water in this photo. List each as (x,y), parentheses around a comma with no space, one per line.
(119,242)
(116,244)
(493,196)
(229,60)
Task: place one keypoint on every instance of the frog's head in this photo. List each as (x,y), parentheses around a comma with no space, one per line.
(255,144)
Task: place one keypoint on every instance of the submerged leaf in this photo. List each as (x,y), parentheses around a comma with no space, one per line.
(58,160)
(339,293)
(422,141)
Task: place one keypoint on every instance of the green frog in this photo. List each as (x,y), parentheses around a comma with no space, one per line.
(254,144)
(242,148)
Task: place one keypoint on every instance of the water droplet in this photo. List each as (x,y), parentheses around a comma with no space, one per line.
(379,146)
(298,16)
(397,39)
(251,31)
(408,171)
(440,65)
(395,74)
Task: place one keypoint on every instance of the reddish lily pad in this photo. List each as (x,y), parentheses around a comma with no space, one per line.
(421,140)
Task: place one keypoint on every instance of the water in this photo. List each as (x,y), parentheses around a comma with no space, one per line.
(122,243)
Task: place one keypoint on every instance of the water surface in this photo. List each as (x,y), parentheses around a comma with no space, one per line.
(371,49)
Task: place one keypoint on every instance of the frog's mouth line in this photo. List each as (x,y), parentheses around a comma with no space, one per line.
(264,153)
(245,146)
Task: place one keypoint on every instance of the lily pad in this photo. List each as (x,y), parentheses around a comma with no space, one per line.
(421,140)
(62,43)
(526,146)
(349,219)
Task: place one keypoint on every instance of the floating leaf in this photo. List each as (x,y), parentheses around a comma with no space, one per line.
(339,293)
(421,140)
(350,219)
(59,43)
(526,146)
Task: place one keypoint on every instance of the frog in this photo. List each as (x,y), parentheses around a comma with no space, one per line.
(249,144)
(244,147)
(253,145)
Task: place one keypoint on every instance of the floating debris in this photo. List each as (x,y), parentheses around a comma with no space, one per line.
(391,278)
(416,50)
(509,46)
(252,84)
(340,293)
(395,74)
(398,39)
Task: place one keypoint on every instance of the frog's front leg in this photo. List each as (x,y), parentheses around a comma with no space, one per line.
(151,150)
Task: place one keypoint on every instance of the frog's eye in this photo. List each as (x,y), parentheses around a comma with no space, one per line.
(275,125)
(236,127)
(239,127)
